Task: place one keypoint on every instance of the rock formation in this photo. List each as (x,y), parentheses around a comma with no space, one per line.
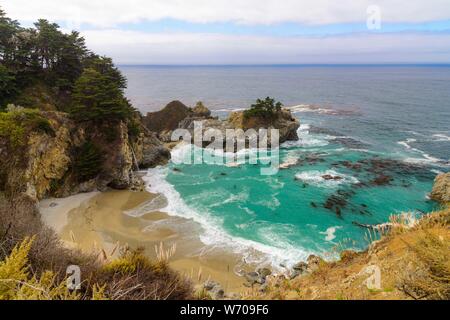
(46,164)
(441,188)
(176,115)
(167,119)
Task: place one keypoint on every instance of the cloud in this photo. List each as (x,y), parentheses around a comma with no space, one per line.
(130,47)
(318,12)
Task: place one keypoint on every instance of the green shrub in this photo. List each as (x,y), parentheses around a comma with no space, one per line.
(110,132)
(18,122)
(88,162)
(134,128)
(266,109)
(11,129)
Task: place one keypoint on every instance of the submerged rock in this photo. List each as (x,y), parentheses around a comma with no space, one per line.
(330,177)
(382,180)
(350,143)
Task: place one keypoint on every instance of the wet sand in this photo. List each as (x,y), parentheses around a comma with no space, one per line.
(117,218)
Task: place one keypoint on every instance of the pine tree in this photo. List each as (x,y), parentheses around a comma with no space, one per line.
(98,97)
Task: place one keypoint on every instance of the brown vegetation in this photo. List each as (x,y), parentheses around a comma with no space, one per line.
(37,267)
(414,263)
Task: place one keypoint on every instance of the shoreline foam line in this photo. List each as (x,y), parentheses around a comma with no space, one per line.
(213,234)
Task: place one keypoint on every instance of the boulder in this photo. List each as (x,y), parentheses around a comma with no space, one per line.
(301,267)
(441,188)
(168,118)
(253,278)
(314,262)
(214,289)
(201,111)
(150,151)
(264,272)
(284,122)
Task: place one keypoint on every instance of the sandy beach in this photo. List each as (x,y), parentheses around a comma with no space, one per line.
(103,220)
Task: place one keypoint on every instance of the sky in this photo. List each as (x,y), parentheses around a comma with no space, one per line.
(185,32)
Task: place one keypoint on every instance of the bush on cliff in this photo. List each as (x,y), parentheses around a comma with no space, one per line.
(88,162)
(16,123)
(266,109)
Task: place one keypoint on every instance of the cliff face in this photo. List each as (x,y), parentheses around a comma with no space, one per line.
(150,151)
(284,122)
(441,188)
(46,164)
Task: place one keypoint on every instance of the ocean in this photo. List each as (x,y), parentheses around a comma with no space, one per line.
(382,130)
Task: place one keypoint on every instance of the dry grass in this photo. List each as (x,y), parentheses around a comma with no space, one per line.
(131,277)
(427,275)
(134,277)
(413,258)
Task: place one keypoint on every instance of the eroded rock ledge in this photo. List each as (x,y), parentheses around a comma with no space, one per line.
(441,188)
(46,164)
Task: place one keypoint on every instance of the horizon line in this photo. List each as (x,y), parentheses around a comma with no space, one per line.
(446,64)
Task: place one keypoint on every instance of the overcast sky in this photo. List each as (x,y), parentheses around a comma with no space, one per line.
(252,31)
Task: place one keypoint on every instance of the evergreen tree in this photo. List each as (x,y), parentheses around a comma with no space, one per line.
(98,97)
(7,85)
(88,162)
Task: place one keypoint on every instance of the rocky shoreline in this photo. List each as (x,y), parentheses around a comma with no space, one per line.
(46,167)
(178,116)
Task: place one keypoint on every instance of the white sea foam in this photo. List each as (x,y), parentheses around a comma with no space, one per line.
(301,108)
(214,235)
(426,158)
(229,110)
(441,137)
(316,178)
(273,203)
(310,108)
(155,204)
(306,140)
(330,233)
(289,162)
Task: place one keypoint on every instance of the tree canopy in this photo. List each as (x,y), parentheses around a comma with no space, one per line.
(266,108)
(89,86)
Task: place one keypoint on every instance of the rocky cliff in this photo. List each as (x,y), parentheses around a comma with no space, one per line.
(49,162)
(441,188)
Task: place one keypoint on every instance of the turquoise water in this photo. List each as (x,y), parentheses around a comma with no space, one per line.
(382,131)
